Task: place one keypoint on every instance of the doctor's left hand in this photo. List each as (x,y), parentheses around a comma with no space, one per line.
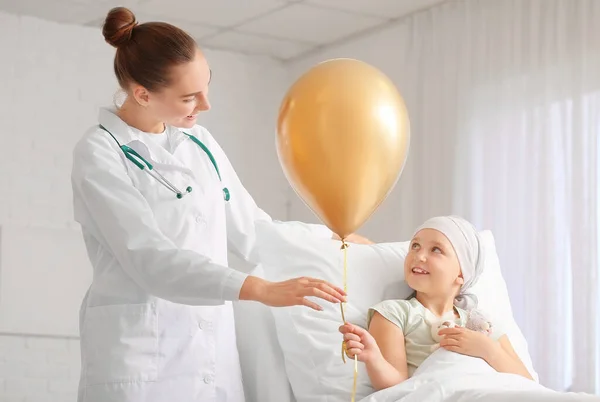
(354,238)
(292,292)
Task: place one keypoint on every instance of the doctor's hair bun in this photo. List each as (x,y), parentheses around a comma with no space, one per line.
(118,26)
(147,52)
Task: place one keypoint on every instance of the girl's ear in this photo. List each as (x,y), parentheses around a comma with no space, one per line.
(459,280)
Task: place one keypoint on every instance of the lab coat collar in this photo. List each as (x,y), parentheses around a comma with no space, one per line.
(108,118)
(126,135)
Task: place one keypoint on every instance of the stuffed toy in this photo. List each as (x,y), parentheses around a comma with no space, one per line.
(476,321)
(435,328)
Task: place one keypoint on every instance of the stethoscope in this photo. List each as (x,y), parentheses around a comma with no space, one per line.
(144,165)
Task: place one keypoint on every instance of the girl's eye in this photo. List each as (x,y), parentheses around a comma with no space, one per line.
(189,100)
(414,246)
(437,250)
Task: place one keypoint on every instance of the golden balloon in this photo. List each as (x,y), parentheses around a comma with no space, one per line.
(343,136)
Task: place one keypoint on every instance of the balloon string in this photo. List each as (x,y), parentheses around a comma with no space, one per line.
(344,350)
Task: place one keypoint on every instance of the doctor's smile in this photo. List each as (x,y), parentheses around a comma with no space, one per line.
(160,207)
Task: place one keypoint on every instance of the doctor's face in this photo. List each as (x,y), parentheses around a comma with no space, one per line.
(187,95)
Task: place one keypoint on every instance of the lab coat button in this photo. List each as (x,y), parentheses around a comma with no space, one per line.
(208,379)
(200,220)
(205,325)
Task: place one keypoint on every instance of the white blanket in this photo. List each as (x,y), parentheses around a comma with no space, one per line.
(451,377)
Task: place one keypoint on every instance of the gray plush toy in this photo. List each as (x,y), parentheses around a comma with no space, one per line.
(477,320)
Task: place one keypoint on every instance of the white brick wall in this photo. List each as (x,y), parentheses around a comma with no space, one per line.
(52,79)
(38,369)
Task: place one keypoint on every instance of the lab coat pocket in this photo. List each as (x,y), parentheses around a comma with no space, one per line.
(120,343)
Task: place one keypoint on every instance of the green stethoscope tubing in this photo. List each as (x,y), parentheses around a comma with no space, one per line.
(131,154)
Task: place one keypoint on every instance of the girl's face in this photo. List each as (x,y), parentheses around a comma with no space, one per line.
(431,266)
(179,104)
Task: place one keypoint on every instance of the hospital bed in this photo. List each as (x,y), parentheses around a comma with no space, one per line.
(294,354)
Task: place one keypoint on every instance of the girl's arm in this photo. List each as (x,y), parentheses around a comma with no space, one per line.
(388,367)
(504,359)
(498,354)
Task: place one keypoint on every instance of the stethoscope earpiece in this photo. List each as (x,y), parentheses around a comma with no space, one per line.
(187,190)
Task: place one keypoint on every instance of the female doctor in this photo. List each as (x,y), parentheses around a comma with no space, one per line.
(158,200)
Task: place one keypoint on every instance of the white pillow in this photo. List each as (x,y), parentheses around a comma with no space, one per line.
(492,294)
(310,340)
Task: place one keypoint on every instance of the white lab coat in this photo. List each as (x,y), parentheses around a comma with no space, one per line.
(157,321)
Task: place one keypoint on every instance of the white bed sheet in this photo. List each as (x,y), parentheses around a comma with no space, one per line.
(451,377)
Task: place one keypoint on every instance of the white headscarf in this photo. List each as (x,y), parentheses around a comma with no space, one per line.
(468,248)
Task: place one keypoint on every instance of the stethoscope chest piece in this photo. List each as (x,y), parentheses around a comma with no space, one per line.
(226,194)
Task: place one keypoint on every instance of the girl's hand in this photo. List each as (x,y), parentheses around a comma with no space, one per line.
(359,342)
(468,342)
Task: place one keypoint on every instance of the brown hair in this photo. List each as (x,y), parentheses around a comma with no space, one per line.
(145,52)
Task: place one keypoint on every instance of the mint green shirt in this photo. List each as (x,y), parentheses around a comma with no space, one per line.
(415,321)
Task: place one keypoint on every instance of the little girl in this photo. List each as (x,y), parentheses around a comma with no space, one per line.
(444,261)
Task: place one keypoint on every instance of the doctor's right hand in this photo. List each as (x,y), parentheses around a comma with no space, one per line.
(292,292)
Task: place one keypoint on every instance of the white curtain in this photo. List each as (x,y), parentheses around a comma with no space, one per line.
(505,106)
